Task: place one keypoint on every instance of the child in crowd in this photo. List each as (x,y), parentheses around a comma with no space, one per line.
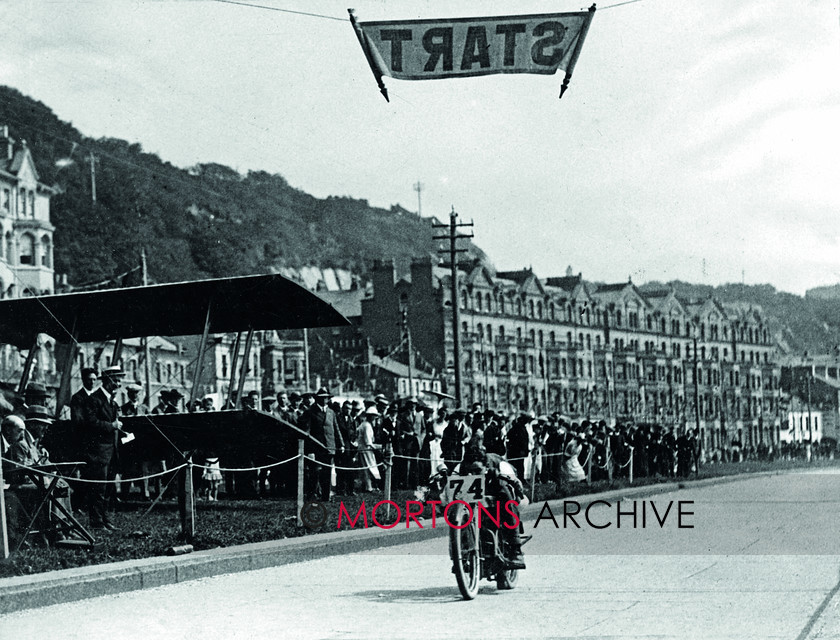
(212,476)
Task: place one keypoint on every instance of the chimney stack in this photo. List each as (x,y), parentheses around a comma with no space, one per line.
(7,141)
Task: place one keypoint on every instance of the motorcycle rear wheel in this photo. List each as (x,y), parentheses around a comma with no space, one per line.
(466,560)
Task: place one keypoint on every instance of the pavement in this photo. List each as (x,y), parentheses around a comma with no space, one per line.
(39,590)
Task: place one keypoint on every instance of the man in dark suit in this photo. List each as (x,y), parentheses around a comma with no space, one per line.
(319,421)
(99,428)
(78,401)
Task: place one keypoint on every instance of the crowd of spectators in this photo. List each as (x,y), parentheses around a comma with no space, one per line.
(349,444)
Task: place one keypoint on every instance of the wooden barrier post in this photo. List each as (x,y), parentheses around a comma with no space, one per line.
(533,471)
(186,501)
(389,463)
(631,465)
(300,483)
(590,455)
(3,531)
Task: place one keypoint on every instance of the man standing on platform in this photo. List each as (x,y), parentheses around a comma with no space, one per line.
(99,429)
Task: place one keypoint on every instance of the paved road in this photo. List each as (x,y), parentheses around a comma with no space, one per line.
(762,561)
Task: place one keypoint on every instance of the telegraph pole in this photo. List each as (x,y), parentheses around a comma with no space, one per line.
(453,252)
(92,159)
(146,355)
(406,330)
(418,187)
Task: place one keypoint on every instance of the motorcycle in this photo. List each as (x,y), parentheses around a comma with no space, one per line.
(476,552)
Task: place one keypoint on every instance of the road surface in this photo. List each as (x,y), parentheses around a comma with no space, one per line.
(761,561)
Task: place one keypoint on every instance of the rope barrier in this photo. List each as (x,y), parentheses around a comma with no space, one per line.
(260,468)
(89,481)
(337,468)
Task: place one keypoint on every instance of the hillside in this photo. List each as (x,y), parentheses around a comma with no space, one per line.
(205,221)
(210,221)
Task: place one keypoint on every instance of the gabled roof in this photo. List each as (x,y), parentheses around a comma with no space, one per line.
(743,311)
(21,155)
(480,274)
(663,301)
(524,278)
(567,283)
(618,293)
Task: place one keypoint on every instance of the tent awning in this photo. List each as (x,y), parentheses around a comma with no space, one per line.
(262,302)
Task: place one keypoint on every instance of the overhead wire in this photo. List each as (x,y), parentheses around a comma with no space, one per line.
(300,13)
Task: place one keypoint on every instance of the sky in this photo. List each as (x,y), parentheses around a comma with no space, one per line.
(697,141)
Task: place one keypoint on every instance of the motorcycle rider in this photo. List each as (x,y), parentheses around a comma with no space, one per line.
(505,488)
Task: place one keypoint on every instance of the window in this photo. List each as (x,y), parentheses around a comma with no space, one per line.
(478,304)
(7,200)
(502,303)
(32,203)
(489,333)
(46,253)
(488,302)
(23,202)
(539,310)
(530,308)
(27,249)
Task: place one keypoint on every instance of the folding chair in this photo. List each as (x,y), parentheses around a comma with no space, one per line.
(56,524)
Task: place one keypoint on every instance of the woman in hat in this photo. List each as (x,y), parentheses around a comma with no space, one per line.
(367,446)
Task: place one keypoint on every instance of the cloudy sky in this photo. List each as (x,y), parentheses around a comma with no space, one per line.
(697,141)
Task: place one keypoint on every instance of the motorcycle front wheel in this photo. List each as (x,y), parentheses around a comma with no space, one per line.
(464,551)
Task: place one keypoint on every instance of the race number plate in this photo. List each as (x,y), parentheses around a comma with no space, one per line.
(468,488)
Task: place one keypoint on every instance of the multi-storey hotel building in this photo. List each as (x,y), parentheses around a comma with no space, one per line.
(587,350)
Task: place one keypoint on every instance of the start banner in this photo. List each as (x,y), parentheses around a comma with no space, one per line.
(463,47)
